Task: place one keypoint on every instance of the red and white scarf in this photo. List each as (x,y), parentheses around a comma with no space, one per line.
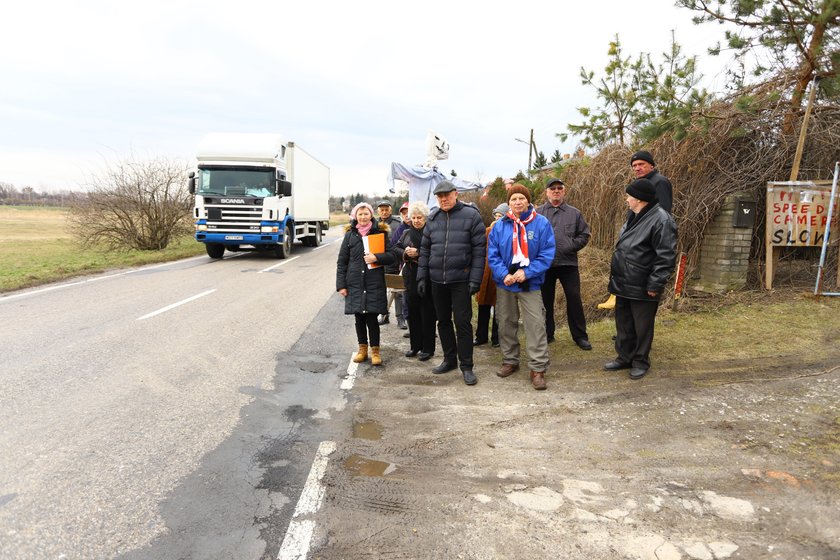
(520,237)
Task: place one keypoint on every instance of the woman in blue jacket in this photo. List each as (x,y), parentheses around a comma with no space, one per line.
(519,251)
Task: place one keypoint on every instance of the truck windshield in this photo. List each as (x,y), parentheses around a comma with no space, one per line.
(236,181)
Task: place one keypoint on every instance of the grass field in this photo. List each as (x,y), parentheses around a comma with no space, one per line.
(36,248)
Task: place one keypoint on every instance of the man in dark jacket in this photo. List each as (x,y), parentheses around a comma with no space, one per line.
(645,168)
(386,216)
(571,234)
(644,258)
(451,266)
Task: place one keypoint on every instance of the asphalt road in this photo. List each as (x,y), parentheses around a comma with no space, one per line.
(171,411)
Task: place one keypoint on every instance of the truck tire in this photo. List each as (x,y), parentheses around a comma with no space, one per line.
(314,240)
(215,250)
(284,249)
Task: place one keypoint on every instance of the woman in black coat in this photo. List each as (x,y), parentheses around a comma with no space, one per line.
(421,310)
(363,287)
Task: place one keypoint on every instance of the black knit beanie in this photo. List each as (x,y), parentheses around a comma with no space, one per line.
(642,155)
(642,189)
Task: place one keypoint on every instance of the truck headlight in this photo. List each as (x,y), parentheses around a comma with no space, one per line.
(269,229)
(201,227)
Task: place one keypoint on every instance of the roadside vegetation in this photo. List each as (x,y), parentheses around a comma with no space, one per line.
(37,248)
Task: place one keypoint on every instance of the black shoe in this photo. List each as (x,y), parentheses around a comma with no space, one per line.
(477,342)
(401,323)
(423,356)
(406,335)
(495,344)
(411,353)
(616,365)
(583,344)
(384,319)
(550,338)
(637,373)
(445,367)
(469,377)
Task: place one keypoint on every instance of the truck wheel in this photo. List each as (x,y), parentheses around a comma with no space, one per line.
(284,249)
(314,240)
(215,250)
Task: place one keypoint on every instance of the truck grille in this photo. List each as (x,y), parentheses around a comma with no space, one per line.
(234,218)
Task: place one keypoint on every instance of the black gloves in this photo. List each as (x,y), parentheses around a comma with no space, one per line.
(421,287)
(474,288)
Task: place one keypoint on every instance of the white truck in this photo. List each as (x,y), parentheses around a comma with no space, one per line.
(256,192)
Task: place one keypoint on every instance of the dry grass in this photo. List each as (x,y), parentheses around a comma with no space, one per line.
(37,248)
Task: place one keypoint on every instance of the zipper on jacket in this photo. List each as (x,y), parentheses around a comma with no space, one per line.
(445,246)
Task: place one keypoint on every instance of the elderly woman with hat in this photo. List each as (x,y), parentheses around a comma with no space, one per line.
(644,258)
(360,278)
(520,250)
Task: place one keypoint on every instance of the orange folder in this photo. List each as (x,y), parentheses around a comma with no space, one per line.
(374,244)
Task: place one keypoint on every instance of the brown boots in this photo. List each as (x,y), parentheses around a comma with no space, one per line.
(362,355)
(538,380)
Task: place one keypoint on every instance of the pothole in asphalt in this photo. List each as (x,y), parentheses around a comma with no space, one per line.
(362,466)
(315,367)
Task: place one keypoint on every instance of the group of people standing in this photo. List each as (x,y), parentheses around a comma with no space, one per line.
(448,256)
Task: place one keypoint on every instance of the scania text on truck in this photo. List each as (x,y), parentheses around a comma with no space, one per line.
(256,192)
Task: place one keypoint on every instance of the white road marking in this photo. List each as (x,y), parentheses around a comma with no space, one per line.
(281,263)
(97,279)
(174,305)
(348,381)
(325,245)
(299,535)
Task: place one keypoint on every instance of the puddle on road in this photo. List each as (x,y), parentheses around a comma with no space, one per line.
(367,430)
(362,466)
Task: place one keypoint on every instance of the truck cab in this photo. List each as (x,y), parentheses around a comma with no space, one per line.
(244,196)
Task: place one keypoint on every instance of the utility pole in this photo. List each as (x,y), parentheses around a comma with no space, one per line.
(532,150)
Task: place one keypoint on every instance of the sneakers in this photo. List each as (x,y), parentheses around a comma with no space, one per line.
(384,319)
(401,323)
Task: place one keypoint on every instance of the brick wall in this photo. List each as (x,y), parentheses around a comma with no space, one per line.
(725,254)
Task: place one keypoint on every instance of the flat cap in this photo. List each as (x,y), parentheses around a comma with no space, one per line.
(444,187)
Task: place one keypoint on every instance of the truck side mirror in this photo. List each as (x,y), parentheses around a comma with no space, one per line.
(191,182)
(284,188)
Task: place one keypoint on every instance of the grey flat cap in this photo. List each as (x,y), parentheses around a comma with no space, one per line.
(383,203)
(444,187)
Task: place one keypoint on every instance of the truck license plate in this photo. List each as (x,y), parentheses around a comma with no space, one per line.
(233,237)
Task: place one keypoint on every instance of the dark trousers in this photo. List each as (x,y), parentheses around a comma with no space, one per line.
(569,278)
(453,300)
(482,324)
(367,323)
(421,321)
(634,321)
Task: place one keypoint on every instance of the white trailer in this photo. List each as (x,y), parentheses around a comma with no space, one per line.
(258,192)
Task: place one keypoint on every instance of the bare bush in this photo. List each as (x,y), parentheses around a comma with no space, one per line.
(134,204)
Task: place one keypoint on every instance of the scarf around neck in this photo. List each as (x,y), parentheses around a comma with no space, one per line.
(520,236)
(363,230)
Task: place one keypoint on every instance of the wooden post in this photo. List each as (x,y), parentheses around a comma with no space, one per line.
(800,145)
(769,250)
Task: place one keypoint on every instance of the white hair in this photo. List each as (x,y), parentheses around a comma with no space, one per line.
(418,208)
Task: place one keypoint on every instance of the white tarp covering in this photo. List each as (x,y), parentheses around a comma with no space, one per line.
(422,182)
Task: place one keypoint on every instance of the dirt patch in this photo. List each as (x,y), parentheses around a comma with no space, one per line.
(734,459)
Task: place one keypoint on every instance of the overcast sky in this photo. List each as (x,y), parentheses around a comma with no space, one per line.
(357,84)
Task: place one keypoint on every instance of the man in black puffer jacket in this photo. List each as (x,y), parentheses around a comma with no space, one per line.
(644,258)
(451,266)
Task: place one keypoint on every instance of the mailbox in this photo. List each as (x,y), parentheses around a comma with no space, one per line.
(744,214)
